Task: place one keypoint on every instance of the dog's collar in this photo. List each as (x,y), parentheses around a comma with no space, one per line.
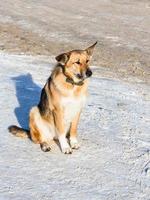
(69,80)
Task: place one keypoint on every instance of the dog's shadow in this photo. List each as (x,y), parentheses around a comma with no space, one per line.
(28,95)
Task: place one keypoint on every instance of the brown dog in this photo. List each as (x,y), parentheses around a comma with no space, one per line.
(61,102)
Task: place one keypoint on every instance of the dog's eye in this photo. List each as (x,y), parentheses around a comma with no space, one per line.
(78,62)
(87,61)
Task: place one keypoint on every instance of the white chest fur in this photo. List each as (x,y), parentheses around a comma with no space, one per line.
(71,106)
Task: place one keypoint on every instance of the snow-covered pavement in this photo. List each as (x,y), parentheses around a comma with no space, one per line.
(113,162)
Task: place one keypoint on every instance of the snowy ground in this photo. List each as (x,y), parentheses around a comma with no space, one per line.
(113,162)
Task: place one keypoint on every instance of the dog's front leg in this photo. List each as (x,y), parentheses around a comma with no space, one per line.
(61,131)
(73,132)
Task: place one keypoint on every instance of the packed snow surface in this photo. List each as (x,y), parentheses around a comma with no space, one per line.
(113,162)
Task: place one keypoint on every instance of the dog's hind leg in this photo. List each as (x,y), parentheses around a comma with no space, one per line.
(41,130)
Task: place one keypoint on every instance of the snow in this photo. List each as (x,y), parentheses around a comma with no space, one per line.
(113,162)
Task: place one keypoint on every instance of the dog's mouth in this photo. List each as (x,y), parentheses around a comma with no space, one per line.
(79,83)
(79,78)
(84,75)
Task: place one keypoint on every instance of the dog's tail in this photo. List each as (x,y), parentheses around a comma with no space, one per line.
(19,132)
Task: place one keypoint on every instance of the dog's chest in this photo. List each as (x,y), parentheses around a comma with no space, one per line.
(71,106)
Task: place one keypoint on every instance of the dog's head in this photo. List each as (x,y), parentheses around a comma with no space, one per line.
(76,64)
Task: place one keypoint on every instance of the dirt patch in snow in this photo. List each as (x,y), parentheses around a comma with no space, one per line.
(51,27)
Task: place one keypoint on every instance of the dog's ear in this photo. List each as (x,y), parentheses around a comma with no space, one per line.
(90,49)
(62,58)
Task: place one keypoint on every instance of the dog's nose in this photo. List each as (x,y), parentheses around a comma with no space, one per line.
(80,76)
(88,73)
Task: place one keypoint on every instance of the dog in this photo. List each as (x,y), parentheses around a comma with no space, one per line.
(61,102)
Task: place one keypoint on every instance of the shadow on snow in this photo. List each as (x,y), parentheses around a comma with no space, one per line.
(28,95)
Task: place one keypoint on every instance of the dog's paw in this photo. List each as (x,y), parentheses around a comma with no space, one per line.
(45,147)
(67,150)
(74,143)
(65,147)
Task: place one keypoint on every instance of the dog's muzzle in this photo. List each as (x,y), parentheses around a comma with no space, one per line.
(88,73)
(85,75)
